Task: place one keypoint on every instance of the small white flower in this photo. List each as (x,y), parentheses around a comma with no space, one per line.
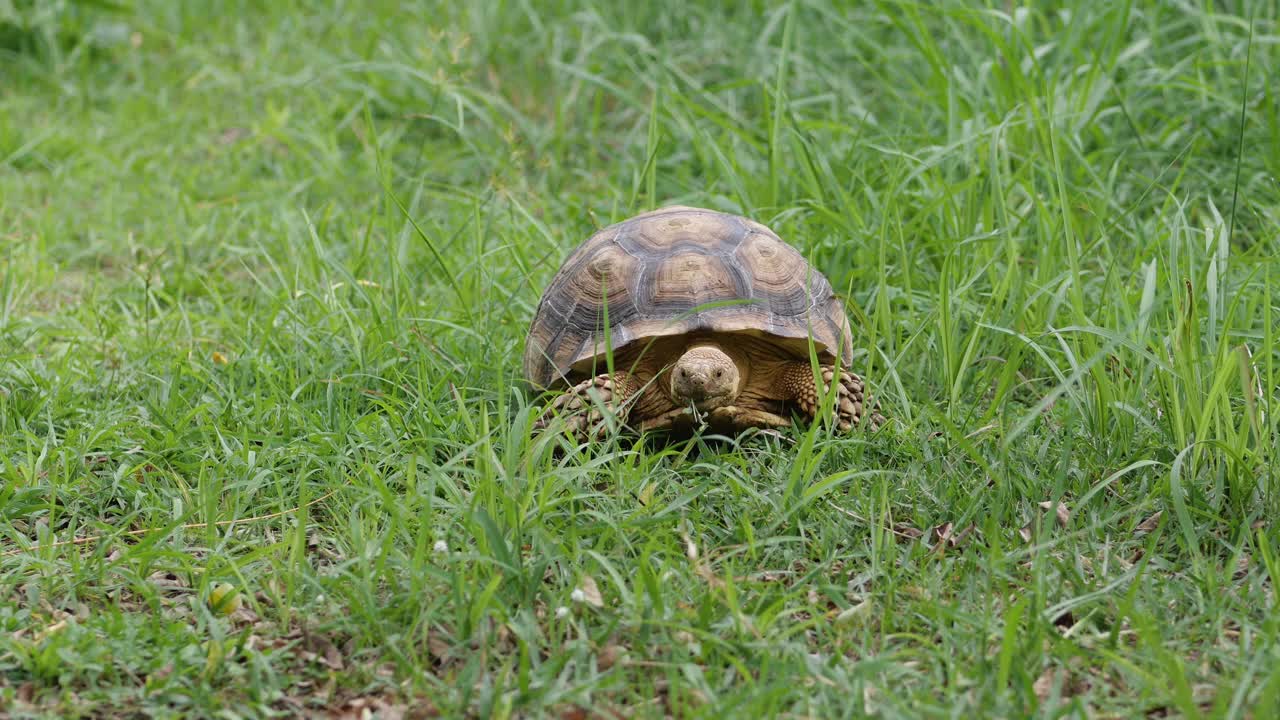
(441,547)
(577,595)
(562,612)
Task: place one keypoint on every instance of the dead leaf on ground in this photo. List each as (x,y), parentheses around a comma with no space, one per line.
(907,532)
(437,646)
(321,649)
(699,565)
(233,134)
(947,536)
(1061,513)
(690,549)
(1060,509)
(332,658)
(244,617)
(169,581)
(1150,523)
(26,692)
(609,655)
(383,708)
(1043,686)
(942,533)
(590,591)
(1068,683)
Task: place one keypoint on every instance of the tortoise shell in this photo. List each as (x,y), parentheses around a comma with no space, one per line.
(681,271)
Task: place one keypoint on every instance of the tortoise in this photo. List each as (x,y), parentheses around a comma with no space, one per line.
(710,318)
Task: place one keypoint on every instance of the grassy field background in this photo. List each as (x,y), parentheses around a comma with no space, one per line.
(265,273)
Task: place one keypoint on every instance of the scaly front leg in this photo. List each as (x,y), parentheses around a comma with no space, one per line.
(851,394)
(582,406)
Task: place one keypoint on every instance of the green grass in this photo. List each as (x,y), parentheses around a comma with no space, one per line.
(265,270)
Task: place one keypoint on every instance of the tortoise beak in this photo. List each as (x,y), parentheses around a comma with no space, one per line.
(696,391)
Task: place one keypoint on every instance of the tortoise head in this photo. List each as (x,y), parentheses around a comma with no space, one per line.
(706,377)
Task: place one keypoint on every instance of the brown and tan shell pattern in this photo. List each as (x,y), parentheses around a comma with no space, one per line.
(680,270)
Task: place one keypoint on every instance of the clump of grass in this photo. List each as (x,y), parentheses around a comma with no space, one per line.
(58,31)
(263,288)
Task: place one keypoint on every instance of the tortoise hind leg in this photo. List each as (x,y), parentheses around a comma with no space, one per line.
(582,405)
(798,385)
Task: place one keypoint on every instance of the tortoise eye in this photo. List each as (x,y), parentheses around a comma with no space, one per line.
(719,373)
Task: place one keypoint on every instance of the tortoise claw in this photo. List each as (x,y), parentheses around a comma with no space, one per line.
(850,397)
